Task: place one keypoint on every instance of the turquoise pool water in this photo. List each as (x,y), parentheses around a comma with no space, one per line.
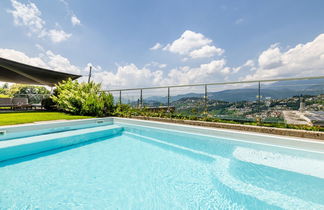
(146,168)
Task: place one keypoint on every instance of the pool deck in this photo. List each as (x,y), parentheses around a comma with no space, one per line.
(315,135)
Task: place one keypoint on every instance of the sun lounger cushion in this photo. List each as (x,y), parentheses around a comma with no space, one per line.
(4,102)
(20,101)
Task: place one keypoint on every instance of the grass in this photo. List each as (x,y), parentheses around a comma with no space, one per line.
(30,117)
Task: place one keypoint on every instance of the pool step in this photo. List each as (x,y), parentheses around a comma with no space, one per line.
(45,127)
(311,166)
(31,145)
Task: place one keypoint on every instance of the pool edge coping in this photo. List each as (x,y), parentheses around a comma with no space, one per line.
(306,144)
(279,132)
(259,130)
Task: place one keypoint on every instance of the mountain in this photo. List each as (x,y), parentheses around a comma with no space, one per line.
(297,84)
(276,90)
(250,94)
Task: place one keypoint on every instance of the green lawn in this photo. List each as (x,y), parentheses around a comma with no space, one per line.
(29,117)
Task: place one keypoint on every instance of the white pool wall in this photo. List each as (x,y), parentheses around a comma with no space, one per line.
(265,139)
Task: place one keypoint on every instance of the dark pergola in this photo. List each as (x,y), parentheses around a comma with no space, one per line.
(12,71)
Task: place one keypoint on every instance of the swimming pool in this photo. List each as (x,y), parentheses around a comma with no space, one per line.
(131,164)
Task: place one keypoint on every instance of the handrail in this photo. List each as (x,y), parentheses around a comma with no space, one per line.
(217,83)
(254,109)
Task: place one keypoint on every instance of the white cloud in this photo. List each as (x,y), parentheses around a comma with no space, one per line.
(156,64)
(188,41)
(75,20)
(270,58)
(239,21)
(48,60)
(193,45)
(96,68)
(214,66)
(131,76)
(64,2)
(22,57)
(40,47)
(184,59)
(162,65)
(206,51)
(156,46)
(60,63)
(58,35)
(301,60)
(215,70)
(29,15)
(249,63)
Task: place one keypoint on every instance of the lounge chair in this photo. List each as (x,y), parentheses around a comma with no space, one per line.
(21,103)
(6,102)
(15,103)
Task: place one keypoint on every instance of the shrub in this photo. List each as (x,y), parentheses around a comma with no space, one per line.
(123,110)
(83,99)
(4,96)
(49,104)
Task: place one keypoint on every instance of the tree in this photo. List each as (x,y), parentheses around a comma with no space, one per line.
(4,89)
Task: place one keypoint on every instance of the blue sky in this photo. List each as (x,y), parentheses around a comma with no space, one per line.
(199,41)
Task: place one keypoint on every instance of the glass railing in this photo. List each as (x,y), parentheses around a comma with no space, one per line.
(272,101)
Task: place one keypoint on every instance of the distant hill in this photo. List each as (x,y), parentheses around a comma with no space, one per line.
(297,85)
(250,94)
(277,90)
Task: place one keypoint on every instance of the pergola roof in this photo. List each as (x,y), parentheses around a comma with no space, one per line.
(12,71)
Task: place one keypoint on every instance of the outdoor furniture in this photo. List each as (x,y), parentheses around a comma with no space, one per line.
(15,103)
(6,102)
(21,103)
(37,106)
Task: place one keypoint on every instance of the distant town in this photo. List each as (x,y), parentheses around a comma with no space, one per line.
(268,109)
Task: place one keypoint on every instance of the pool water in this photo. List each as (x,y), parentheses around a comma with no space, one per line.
(144,168)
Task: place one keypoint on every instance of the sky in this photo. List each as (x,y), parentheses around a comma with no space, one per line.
(144,43)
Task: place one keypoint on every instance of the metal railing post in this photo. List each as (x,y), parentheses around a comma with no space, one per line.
(206,100)
(141,99)
(259,102)
(168,99)
(120,99)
